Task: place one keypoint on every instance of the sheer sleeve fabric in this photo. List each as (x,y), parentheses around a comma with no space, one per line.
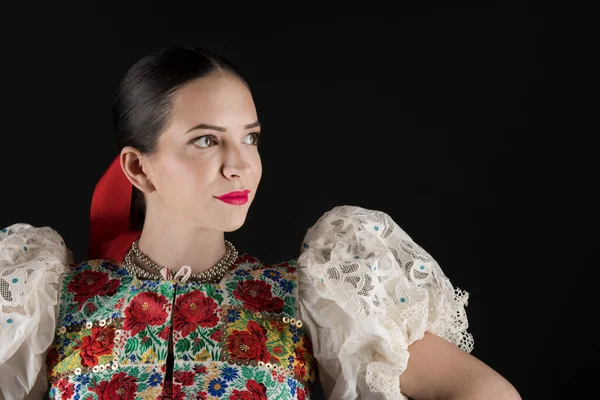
(32,261)
(367,291)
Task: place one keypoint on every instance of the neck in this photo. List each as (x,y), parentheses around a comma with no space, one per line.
(177,242)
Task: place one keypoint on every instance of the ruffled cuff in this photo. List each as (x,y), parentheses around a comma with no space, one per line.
(369,292)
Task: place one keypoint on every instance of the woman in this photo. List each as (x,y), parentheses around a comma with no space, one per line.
(171,311)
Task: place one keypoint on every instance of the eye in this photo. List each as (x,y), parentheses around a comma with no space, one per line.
(200,141)
(255,135)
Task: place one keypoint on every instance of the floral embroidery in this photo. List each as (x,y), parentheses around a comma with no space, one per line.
(256,296)
(88,284)
(99,343)
(121,386)
(192,310)
(249,344)
(66,389)
(217,387)
(92,291)
(231,340)
(177,394)
(269,340)
(145,309)
(52,357)
(185,378)
(255,391)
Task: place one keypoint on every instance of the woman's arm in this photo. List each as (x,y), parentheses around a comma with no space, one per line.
(437,369)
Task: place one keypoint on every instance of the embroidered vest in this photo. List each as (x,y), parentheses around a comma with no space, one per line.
(238,339)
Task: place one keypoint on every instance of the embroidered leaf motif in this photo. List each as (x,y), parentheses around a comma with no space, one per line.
(247,373)
(198,345)
(142,386)
(182,345)
(146,343)
(131,345)
(259,376)
(74,361)
(143,377)
(165,291)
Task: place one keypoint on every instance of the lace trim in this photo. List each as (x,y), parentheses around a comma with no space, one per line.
(373,270)
(26,253)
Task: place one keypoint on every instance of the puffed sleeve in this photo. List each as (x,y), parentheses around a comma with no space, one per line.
(367,292)
(32,261)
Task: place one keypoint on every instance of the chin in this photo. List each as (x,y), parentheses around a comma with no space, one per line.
(234,225)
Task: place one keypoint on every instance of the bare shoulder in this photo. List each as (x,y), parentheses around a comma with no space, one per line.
(437,369)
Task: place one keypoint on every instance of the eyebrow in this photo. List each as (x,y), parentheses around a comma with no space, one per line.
(220,128)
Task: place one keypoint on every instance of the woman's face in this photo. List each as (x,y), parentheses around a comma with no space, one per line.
(208,150)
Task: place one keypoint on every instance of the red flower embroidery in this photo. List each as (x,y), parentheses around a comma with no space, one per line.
(256,391)
(121,386)
(92,283)
(300,393)
(300,352)
(278,325)
(256,296)
(66,389)
(164,334)
(201,395)
(90,308)
(177,393)
(249,344)
(119,303)
(247,258)
(52,357)
(217,335)
(99,343)
(186,378)
(146,308)
(200,369)
(192,310)
(300,369)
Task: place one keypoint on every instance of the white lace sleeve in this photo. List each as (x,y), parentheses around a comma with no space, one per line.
(367,292)
(32,261)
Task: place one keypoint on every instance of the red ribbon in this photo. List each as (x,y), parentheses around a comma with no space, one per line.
(110,235)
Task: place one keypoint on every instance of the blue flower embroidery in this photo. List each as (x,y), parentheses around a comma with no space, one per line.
(68,320)
(292,384)
(272,274)
(241,272)
(287,286)
(83,379)
(229,373)
(155,379)
(217,387)
(233,315)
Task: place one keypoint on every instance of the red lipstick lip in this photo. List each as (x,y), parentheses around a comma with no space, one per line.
(241,193)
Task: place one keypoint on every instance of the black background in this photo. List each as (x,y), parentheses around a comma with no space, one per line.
(471,127)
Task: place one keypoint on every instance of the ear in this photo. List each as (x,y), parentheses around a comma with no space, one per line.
(134,165)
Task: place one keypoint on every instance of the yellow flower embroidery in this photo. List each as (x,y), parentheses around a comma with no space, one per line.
(202,356)
(149,356)
(152,393)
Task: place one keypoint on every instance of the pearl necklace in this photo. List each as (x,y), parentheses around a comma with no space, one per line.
(212,275)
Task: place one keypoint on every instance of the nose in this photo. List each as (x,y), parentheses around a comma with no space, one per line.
(235,163)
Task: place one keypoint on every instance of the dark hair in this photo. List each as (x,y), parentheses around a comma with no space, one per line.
(143,101)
